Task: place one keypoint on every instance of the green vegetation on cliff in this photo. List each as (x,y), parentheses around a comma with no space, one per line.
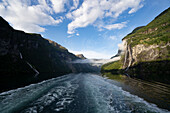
(150,42)
(146,52)
(156,32)
(112,65)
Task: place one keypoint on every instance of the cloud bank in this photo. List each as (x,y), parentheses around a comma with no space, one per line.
(93,54)
(29,15)
(33,15)
(96,62)
(93,10)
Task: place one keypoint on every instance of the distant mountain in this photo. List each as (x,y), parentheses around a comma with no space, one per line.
(147,51)
(118,54)
(26,57)
(81,56)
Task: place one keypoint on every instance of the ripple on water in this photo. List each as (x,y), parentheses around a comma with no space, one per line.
(56,99)
(112,99)
(89,92)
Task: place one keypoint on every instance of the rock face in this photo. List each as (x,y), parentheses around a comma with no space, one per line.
(147,50)
(143,53)
(81,56)
(31,50)
(146,53)
(149,43)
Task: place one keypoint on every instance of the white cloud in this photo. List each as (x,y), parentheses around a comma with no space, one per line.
(30,18)
(135,9)
(85,15)
(69,36)
(77,34)
(113,37)
(93,54)
(122,45)
(96,62)
(116,26)
(58,5)
(75,4)
(92,10)
(32,15)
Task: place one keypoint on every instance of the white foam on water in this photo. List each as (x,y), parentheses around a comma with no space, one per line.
(12,99)
(61,94)
(107,97)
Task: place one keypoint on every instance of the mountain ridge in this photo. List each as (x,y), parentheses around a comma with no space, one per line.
(27,58)
(146,53)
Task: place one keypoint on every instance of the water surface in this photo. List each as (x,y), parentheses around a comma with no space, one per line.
(75,93)
(153,92)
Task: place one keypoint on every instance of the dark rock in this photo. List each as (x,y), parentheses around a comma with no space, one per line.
(81,56)
(24,55)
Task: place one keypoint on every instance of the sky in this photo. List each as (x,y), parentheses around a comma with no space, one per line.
(94,28)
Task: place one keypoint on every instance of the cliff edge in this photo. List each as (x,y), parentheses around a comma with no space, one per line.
(147,51)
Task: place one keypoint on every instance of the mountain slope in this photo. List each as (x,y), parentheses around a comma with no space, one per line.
(147,51)
(150,43)
(23,56)
(42,54)
(81,56)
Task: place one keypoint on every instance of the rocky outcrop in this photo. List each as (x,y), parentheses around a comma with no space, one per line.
(81,56)
(148,43)
(143,53)
(118,54)
(146,52)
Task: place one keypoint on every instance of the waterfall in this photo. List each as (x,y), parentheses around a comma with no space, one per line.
(33,69)
(126,50)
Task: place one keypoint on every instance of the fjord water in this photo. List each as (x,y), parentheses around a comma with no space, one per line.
(76,93)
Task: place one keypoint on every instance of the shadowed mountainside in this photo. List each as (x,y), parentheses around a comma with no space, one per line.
(26,57)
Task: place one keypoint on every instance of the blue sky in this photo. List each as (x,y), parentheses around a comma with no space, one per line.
(94,28)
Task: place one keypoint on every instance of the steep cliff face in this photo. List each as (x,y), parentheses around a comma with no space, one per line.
(149,43)
(23,52)
(27,58)
(146,52)
(143,53)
